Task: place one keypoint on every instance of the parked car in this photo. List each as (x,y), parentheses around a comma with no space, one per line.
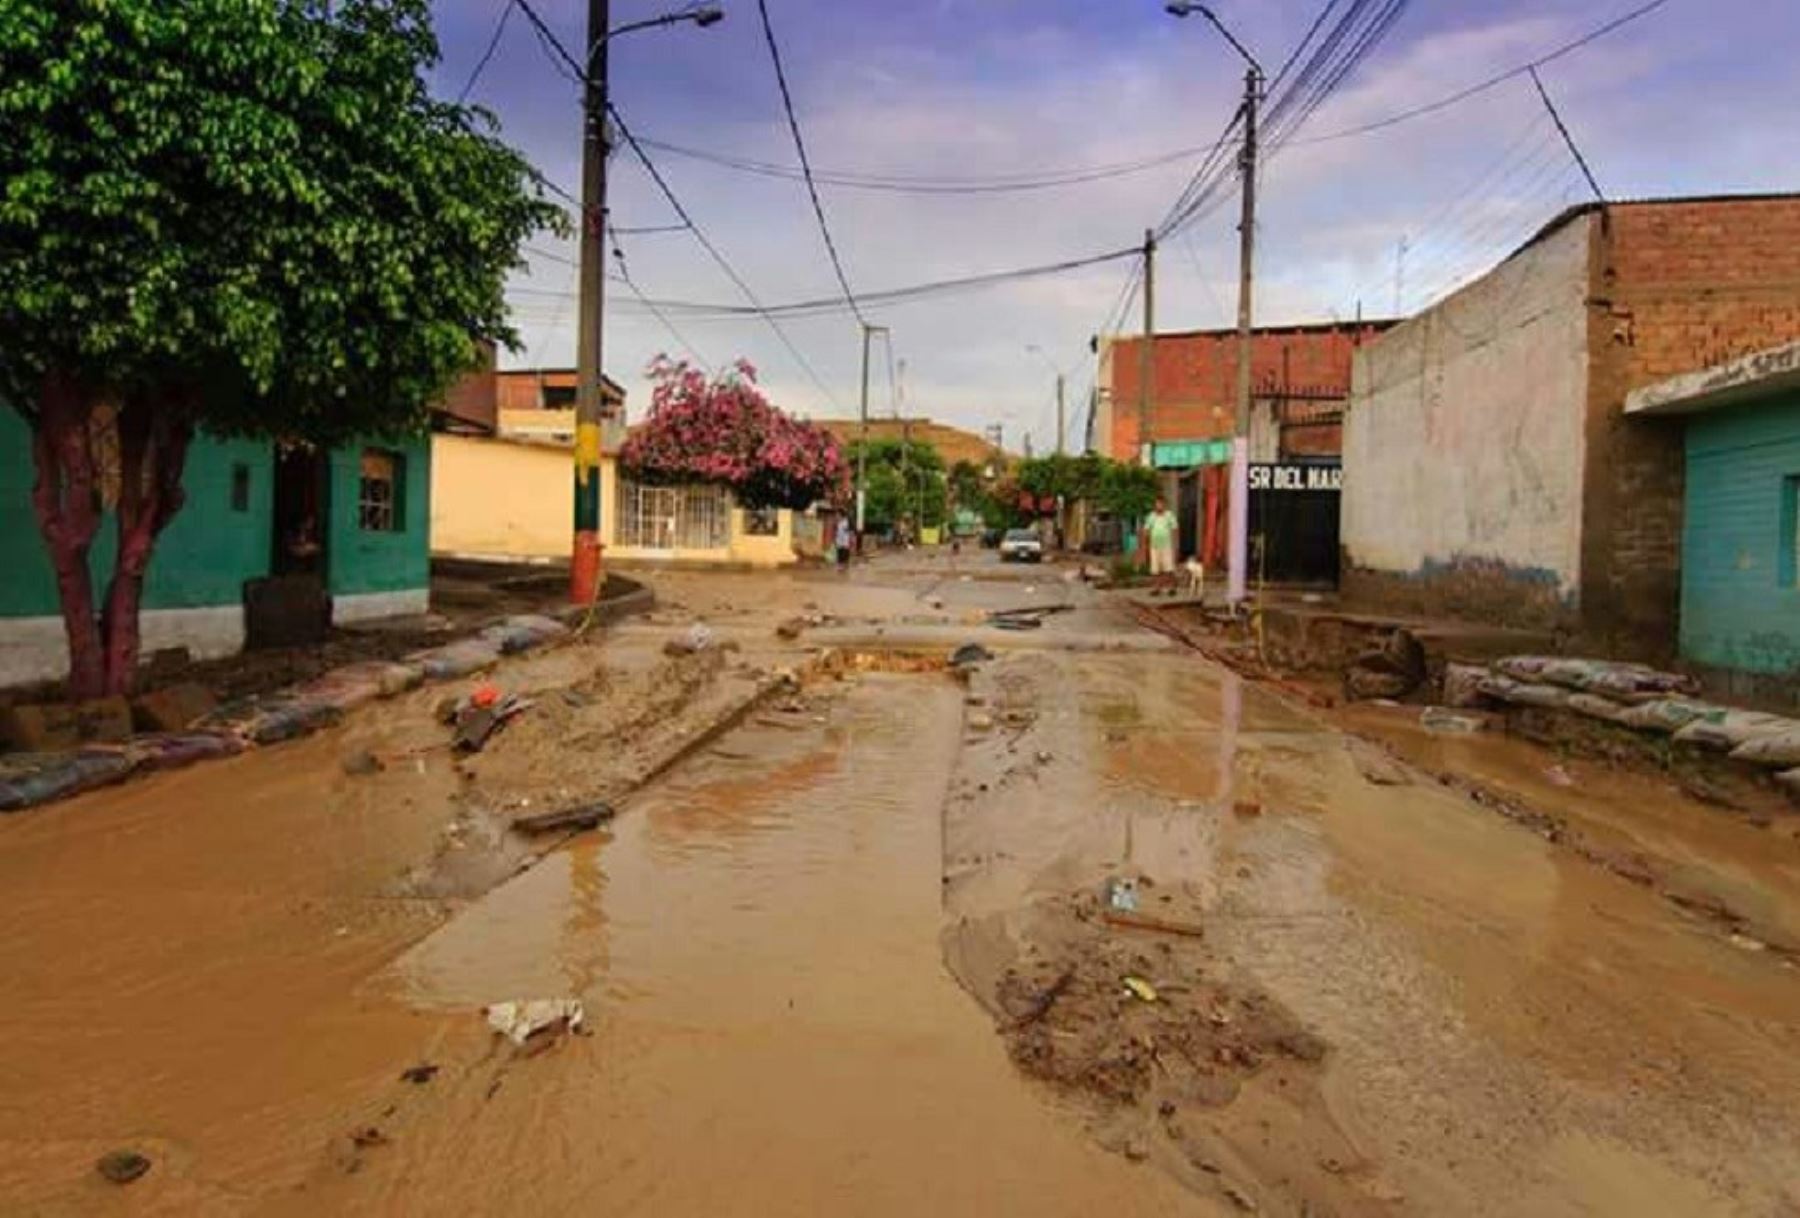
(1021,545)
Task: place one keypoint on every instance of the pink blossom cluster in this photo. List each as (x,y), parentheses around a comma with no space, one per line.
(724,431)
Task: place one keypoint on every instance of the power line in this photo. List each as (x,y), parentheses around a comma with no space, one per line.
(631,285)
(559,54)
(493,45)
(812,190)
(1563,129)
(724,263)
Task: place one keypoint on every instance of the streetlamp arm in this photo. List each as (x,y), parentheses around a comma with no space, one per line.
(703,16)
(1181,8)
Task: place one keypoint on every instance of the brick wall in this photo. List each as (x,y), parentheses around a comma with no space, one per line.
(1674,287)
(1194,378)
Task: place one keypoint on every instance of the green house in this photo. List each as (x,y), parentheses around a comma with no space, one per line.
(1740,560)
(352,521)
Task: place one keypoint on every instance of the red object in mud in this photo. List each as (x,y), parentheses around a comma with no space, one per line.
(484,695)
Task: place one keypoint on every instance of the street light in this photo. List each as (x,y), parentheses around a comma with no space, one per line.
(584,563)
(1238,518)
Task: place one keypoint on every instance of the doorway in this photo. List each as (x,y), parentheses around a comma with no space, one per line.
(299,511)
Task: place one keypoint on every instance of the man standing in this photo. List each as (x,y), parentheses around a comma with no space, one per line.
(1159,534)
(843,539)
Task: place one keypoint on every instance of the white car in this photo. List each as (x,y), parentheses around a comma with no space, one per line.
(1021,545)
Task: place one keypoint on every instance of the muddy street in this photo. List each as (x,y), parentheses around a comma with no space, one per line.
(1091,924)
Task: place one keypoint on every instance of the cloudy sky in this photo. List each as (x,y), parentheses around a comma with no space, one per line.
(1696,97)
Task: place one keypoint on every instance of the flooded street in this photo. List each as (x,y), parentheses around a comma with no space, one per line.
(850,956)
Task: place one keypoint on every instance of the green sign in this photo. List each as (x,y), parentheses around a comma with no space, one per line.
(1184,454)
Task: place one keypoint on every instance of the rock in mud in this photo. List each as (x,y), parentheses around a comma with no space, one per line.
(362,762)
(122,1166)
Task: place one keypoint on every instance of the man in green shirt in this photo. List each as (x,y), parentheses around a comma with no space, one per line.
(1159,536)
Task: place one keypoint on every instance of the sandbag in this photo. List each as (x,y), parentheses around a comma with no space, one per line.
(457,659)
(170,750)
(1462,685)
(1522,693)
(1596,707)
(27,782)
(1522,668)
(1667,715)
(1497,685)
(390,677)
(1730,728)
(1636,680)
(1776,749)
(272,720)
(523,631)
(340,689)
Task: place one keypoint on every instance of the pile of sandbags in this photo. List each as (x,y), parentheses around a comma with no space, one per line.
(1635,696)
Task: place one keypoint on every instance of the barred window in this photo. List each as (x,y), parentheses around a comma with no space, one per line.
(762,522)
(378,497)
(673,517)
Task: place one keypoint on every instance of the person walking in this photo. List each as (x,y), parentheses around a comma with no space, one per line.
(844,540)
(1159,534)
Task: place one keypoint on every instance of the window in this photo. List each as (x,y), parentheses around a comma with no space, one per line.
(559,397)
(240,487)
(380,490)
(762,522)
(673,517)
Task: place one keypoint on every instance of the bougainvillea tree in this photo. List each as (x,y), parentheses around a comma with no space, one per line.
(722,430)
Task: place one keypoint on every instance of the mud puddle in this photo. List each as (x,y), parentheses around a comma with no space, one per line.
(773,1029)
(1506,1028)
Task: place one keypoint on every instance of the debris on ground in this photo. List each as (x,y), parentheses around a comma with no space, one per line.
(420,1074)
(362,762)
(1376,765)
(1560,776)
(572,820)
(1120,894)
(122,1166)
(1449,723)
(1138,988)
(1143,921)
(368,1136)
(520,1021)
(969,655)
(1393,670)
(692,641)
(482,714)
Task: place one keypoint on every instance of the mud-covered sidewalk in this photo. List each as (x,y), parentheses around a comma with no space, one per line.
(1090,925)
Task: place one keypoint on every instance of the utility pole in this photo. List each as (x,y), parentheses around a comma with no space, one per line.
(584,563)
(906,451)
(862,445)
(1238,552)
(1146,361)
(1061,422)
(1399,276)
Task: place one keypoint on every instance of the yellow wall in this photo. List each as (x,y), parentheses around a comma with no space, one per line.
(495,498)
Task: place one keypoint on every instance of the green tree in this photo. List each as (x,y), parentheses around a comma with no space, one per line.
(248,216)
(906,480)
(1128,491)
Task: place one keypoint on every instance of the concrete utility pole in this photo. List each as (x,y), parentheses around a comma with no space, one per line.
(1061,422)
(1238,551)
(862,447)
(1146,360)
(584,563)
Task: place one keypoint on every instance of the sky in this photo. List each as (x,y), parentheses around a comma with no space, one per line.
(1697,97)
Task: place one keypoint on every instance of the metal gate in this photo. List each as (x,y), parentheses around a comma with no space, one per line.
(1294,522)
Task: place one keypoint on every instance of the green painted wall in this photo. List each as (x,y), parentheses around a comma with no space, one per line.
(202,558)
(1740,605)
(361,561)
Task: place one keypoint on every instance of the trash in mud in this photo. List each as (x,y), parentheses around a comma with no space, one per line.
(476,721)
(1120,894)
(368,1136)
(520,1021)
(1143,921)
(970,654)
(1447,722)
(1017,623)
(790,629)
(122,1166)
(980,721)
(419,1075)
(1393,671)
(1140,989)
(692,641)
(1246,807)
(573,820)
(1559,776)
(362,762)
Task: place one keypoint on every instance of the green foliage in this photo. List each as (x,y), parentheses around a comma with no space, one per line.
(1125,489)
(904,480)
(1128,491)
(251,206)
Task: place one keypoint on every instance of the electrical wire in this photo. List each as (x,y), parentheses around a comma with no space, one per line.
(631,285)
(812,189)
(492,45)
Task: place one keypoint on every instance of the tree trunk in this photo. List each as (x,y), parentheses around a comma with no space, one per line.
(154,433)
(66,501)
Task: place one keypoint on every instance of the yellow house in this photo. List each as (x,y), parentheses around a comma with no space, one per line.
(511,497)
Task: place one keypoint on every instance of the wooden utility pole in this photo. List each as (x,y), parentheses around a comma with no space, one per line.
(1061,421)
(862,444)
(584,563)
(1146,361)
(1237,555)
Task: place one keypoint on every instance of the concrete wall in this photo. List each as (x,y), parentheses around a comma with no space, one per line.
(498,499)
(379,574)
(1678,286)
(1464,447)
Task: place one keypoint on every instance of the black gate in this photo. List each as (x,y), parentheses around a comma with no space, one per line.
(1294,522)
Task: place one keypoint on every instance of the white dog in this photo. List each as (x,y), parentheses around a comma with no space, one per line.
(1193,578)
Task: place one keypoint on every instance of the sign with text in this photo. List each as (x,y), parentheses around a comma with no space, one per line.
(1296,477)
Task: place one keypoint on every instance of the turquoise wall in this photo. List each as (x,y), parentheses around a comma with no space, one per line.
(362,561)
(202,558)
(211,548)
(1740,606)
